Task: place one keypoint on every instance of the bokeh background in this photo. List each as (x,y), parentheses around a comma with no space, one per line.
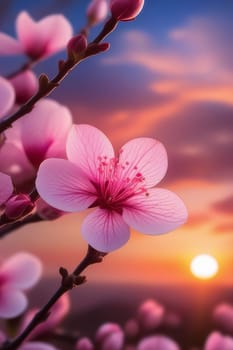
(168,75)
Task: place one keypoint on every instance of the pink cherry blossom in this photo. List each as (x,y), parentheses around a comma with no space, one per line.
(84,344)
(7,96)
(17,273)
(25,85)
(57,313)
(157,342)
(150,315)
(217,341)
(39,135)
(105,330)
(6,188)
(223,316)
(97,11)
(37,39)
(121,187)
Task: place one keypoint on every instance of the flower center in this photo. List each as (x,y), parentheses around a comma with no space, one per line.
(117,182)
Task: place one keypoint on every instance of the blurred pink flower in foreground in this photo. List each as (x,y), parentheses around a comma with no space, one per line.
(84,344)
(7,96)
(6,188)
(119,186)
(223,315)
(37,39)
(57,313)
(150,315)
(157,342)
(25,85)
(217,341)
(97,11)
(17,273)
(39,135)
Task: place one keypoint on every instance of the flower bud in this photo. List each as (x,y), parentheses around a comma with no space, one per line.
(18,206)
(77,45)
(84,344)
(150,315)
(125,10)
(97,11)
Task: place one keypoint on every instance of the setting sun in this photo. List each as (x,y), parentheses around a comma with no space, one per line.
(204,266)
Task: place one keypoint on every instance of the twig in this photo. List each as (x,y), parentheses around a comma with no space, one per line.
(46,86)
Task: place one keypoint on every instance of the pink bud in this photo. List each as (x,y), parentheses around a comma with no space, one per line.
(97,11)
(18,206)
(105,330)
(25,85)
(131,328)
(125,10)
(77,44)
(114,341)
(150,315)
(84,344)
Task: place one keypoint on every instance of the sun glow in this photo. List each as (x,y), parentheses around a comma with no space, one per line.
(204,266)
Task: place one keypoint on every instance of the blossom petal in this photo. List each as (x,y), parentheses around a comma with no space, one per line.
(7,96)
(12,302)
(158,212)
(36,345)
(6,187)
(22,270)
(216,341)
(25,85)
(85,145)
(105,230)
(9,45)
(14,162)
(62,185)
(146,156)
(44,131)
(42,38)
(157,342)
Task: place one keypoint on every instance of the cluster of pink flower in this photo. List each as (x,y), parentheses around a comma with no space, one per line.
(48,166)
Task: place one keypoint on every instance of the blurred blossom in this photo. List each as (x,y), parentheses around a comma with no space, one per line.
(97,11)
(7,96)
(6,188)
(113,341)
(57,313)
(223,316)
(105,330)
(84,344)
(157,342)
(18,206)
(17,273)
(119,186)
(131,328)
(217,341)
(125,10)
(38,135)
(37,39)
(150,315)
(25,85)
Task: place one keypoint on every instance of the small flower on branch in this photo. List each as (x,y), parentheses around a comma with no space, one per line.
(37,39)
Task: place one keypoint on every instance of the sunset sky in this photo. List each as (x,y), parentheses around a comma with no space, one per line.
(168,75)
